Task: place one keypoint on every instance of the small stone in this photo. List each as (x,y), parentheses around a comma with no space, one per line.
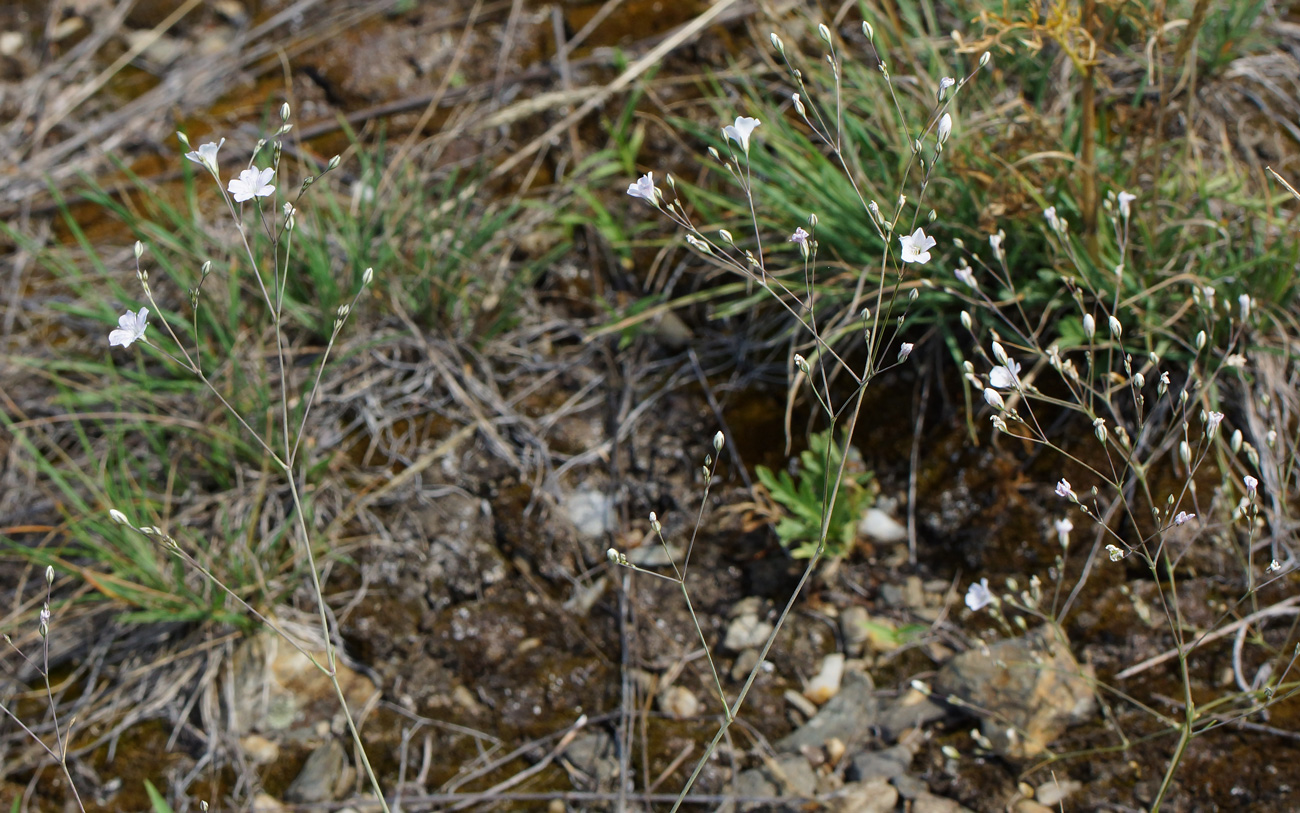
(877,796)
(591,512)
(802,704)
(853,626)
(929,803)
(886,764)
(1052,792)
(266,803)
(910,787)
(1030,806)
(826,683)
(746,631)
(745,663)
(259,750)
(679,702)
(880,526)
(913,592)
(320,778)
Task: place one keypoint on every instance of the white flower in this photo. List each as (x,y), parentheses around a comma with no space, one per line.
(1063,488)
(800,236)
(1089,326)
(118,517)
(1125,199)
(1052,220)
(739,132)
(965,274)
(945,128)
(1243,303)
(644,188)
(252,183)
(1182,517)
(993,399)
(944,84)
(130,327)
(1005,378)
(1212,421)
(904,350)
(206,155)
(1274,566)
(1063,528)
(1115,553)
(978,596)
(1251,484)
(1235,360)
(916,247)
(995,242)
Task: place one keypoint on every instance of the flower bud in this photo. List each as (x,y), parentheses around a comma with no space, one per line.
(1185,453)
(1089,326)
(945,128)
(1116,329)
(984,58)
(868,30)
(718,440)
(824,32)
(1200,340)
(777,44)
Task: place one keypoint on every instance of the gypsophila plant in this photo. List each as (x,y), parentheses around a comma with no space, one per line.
(1151,423)
(153,330)
(875,304)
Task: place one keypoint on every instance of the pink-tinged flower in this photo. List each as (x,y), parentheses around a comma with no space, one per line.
(904,350)
(1182,517)
(965,274)
(1251,484)
(978,595)
(252,183)
(644,188)
(1063,488)
(916,247)
(800,236)
(1005,378)
(206,155)
(1125,199)
(130,327)
(739,132)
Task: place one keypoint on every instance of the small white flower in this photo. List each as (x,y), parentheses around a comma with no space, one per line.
(992,398)
(800,236)
(965,274)
(252,183)
(1182,517)
(944,84)
(978,596)
(1089,326)
(1251,484)
(1063,528)
(1125,199)
(1234,359)
(1052,220)
(644,188)
(1005,378)
(916,247)
(1063,488)
(1274,566)
(945,128)
(130,327)
(1115,553)
(206,155)
(739,132)
(904,350)
(995,242)
(1212,421)
(1243,302)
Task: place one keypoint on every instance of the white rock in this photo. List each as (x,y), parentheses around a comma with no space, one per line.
(1052,792)
(590,511)
(881,527)
(826,684)
(746,631)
